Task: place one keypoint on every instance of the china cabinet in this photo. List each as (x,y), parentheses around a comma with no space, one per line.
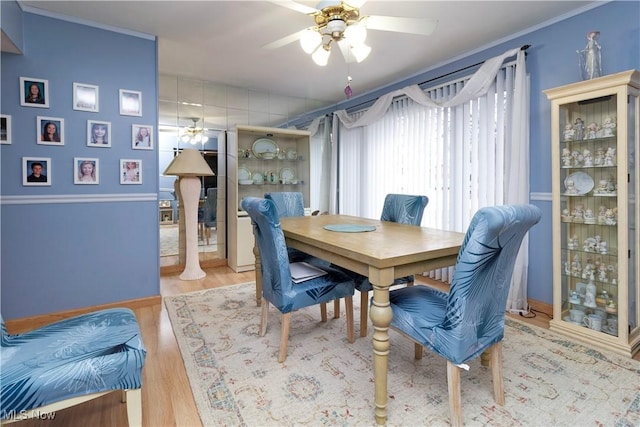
(261,160)
(595,141)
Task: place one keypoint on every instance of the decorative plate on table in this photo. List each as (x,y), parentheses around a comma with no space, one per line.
(271,177)
(264,145)
(349,228)
(287,174)
(244,173)
(582,183)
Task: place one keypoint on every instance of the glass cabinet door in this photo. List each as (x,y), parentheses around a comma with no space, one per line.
(589,212)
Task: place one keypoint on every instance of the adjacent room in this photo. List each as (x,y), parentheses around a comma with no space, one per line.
(355,212)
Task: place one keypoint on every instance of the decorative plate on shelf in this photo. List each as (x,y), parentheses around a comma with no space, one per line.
(287,174)
(243,173)
(578,183)
(264,145)
(257,178)
(271,177)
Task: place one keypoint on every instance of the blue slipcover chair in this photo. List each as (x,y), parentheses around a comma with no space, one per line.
(468,320)
(289,203)
(403,209)
(210,219)
(277,286)
(72,361)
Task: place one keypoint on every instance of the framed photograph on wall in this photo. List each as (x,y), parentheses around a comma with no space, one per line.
(130,171)
(36,171)
(86,97)
(98,134)
(34,92)
(5,129)
(50,130)
(86,170)
(130,103)
(142,137)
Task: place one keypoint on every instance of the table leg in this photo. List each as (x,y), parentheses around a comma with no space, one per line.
(256,252)
(381,314)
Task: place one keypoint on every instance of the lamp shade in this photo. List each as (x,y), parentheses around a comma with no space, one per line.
(189,163)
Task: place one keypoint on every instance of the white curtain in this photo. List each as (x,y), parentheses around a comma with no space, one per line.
(457,143)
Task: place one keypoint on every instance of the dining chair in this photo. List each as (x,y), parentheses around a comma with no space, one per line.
(70,362)
(209,219)
(278,287)
(469,320)
(403,209)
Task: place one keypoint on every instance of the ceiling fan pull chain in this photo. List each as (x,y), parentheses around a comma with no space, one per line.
(347,90)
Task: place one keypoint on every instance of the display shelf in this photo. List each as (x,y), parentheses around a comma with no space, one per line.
(594,156)
(250,173)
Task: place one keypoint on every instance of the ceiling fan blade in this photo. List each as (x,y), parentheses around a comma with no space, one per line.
(422,26)
(346,51)
(289,4)
(284,41)
(355,3)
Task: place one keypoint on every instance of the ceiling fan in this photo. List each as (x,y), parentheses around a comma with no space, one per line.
(341,23)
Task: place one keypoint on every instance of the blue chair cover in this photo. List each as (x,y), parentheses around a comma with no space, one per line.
(211,208)
(291,203)
(277,286)
(87,354)
(470,319)
(403,209)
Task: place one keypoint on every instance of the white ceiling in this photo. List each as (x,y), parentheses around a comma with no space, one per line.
(221,41)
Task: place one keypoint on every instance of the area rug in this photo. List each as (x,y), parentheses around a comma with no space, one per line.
(237,380)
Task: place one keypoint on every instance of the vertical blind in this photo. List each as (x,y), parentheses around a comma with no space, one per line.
(454,155)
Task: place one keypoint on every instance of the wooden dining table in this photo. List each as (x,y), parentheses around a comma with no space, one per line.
(389,251)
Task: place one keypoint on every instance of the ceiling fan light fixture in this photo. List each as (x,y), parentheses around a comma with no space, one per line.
(360,52)
(336,26)
(321,55)
(310,40)
(356,34)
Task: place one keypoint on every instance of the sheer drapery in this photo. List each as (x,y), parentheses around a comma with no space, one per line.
(320,171)
(458,144)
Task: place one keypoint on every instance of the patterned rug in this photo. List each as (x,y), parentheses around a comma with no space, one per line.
(237,380)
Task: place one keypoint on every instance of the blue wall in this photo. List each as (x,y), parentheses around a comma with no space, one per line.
(551,61)
(67,246)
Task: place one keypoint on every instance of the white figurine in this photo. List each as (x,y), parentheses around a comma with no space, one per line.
(568,132)
(601,214)
(588,157)
(589,217)
(603,248)
(567,158)
(610,217)
(609,157)
(608,127)
(592,130)
(599,158)
(578,128)
(571,187)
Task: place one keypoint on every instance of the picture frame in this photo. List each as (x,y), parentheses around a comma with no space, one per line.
(130,102)
(50,130)
(36,171)
(98,134)
(5,129)
(30,97)
(86,97)
(86,171)
(130,171)
(142,137)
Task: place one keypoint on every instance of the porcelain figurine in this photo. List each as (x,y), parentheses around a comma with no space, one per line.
(576,266)
(572,244)
(568,132)
(592,130)
(578,129)
(589,57)
(608,127)
(588,158)
(571,187)
(589,217)
(567,158)
(602,273)
(602,214)
(566,216)
(598,160)
(610,218)
(609,157)
(578,213)
(590,295)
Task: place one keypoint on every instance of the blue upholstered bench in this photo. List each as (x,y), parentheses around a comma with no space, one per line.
(72,361)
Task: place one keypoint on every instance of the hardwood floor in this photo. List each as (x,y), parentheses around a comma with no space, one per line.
(166,394)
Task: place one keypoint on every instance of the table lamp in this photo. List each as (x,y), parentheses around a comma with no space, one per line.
(189,165)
